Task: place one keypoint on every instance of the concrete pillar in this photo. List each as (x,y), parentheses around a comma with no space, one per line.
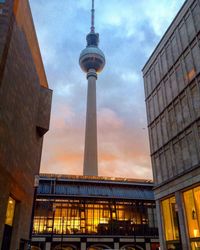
(48,246)
(83,245)
(148,246)
(160,226)
(182,222)
(90,153)
(116,246)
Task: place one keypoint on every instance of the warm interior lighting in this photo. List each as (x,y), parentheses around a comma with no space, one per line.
(75,217)
(10,211)
(195,232)
(191,201)
(191,74)
(170,219)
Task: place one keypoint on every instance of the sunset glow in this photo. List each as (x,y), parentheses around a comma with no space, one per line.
(129,31)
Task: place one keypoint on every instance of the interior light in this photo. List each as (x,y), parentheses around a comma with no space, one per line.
(195,232)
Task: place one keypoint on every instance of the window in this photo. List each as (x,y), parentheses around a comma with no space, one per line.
(157,73)
(185,109)
(196,16)
(185,153)
(195,99)
(164,129)
(160,99)
(159,134)
(169,55)
(179,117)
(149,88)
(92,217)
(178,153)
(191,203)
(10,211)
(170,219)
(169,162)
(156,105)
(183,35)
(154,138)
(153,79)
(168,90)
(163,166)
(164,63)
(158,169)
(190,70)
(190,27)
(172,122)
(175,51)
(192,148)
(179,77)
(151,109)
(196,55)
(174,84)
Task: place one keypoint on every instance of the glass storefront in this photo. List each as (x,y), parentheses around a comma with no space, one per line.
(171,225)
(94,217)
(192,210)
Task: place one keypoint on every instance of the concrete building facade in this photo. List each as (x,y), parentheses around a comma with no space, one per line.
(25,103)
(172,92)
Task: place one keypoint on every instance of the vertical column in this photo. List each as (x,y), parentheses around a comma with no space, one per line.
(160,225)
(116,245)
(90,153)
(48,246)
(83,245)
(182,223)
(148,246)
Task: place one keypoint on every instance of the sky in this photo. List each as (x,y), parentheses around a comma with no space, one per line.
(129,31)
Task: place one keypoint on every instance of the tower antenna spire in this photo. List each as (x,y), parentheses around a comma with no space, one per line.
(92,17)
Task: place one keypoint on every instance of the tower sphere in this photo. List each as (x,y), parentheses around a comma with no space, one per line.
(92,58)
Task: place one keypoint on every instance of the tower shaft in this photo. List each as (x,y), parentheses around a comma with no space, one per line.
(90,153)
(92,61)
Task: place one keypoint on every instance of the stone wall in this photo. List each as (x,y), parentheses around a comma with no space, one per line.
(25,103)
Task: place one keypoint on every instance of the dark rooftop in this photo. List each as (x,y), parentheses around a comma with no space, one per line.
(95,187)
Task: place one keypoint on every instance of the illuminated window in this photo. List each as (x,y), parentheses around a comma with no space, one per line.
(170,219)
(192,208)
(10,211)
(93,217)
(195,245)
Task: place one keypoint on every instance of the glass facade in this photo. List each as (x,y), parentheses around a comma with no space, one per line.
(192,210)
(95,217)
(171,225)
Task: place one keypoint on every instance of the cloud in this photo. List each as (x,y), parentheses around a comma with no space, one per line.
(129,31)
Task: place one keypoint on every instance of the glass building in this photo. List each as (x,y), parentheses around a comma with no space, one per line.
(172,92)
(77,212)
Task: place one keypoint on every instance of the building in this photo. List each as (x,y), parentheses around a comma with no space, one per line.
(172,91)
(94,213)
(25,102)
(92,61)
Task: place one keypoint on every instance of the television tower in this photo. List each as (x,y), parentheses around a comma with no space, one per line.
(92,61)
